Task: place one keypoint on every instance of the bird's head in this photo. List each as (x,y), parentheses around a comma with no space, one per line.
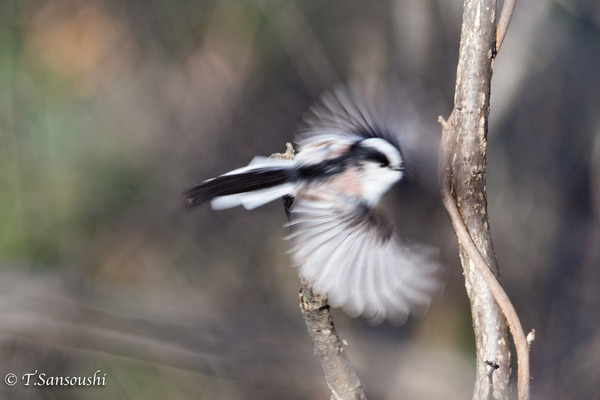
(381,166)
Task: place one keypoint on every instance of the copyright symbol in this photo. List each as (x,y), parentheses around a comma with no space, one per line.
(11,379)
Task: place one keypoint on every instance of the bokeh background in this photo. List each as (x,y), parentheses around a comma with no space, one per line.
(110,109)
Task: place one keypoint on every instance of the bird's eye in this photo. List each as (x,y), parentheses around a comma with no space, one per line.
(384,164)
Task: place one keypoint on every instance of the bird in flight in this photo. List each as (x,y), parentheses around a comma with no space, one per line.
(344,247)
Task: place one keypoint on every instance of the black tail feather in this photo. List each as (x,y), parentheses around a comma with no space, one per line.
(224,185)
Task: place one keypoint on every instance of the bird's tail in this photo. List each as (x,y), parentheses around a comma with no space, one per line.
(261,182)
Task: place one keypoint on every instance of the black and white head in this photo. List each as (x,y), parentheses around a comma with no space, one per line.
(380,166)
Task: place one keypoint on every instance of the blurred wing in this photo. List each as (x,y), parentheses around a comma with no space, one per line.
(387,110)
(347,113)
(356,259)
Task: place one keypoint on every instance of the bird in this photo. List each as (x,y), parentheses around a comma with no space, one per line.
(343,245)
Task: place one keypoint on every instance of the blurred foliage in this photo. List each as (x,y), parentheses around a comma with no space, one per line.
(109,110)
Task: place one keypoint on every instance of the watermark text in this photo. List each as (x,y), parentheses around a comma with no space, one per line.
(37,378)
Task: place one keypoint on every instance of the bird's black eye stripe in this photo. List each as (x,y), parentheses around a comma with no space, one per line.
(370,154)
(379,158)
(335,166)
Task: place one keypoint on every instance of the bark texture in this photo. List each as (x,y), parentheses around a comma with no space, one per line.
(474,73)
(329,349)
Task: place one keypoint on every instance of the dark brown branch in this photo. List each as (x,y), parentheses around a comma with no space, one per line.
(340,375)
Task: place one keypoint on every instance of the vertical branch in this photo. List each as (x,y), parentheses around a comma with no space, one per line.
(522,343)
(462,183)
(468,163)
(340,375)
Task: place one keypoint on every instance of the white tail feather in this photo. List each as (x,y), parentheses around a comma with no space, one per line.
(251,200)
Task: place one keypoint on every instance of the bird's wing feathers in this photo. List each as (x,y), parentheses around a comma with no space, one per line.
(356,259)
(347,113)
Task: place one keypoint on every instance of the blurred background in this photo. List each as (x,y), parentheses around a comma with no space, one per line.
(110,109)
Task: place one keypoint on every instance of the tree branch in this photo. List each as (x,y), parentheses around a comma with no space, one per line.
(462,183)
(329,348)
(521,342)
(505,16)
(340,375)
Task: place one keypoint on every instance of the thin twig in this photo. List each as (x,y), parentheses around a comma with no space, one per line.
(514,324)
(505,16)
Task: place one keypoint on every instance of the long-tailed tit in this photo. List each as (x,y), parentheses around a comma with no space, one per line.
(344,247)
